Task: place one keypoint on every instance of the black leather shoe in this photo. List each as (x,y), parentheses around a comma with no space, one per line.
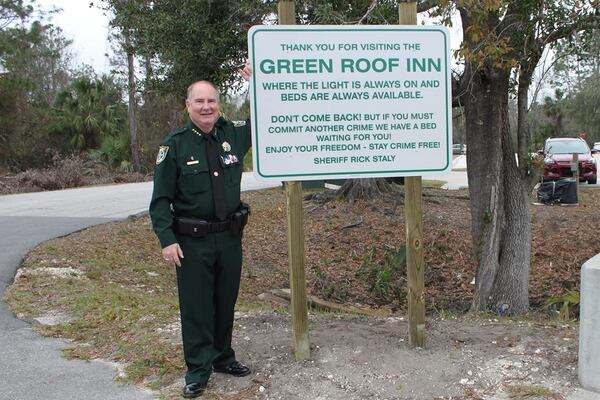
(192,390)
(235,369)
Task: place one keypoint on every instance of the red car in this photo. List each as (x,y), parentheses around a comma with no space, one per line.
(558,155)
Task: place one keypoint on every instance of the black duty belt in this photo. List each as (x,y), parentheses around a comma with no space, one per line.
(197,227)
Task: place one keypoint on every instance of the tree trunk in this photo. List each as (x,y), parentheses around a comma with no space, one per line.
(131,107)
(484,138)
(523,138)
(367,189)
(527,170)
(510,291)
(499,203)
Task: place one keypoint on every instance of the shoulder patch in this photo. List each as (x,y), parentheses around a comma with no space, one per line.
(162,154)
(238,124)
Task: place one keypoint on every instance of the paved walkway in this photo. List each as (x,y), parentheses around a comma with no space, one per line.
(457,177)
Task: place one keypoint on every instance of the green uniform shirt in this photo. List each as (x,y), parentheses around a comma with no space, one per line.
(182,179)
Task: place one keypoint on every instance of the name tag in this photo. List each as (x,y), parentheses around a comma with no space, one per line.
(192,162)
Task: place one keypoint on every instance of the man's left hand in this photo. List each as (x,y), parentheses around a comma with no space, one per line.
(246,71)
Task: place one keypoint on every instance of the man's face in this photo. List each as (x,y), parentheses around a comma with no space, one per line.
(203,106)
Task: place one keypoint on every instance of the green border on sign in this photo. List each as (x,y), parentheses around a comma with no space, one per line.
(353,173)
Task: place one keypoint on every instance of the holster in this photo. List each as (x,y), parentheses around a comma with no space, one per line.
(239,218)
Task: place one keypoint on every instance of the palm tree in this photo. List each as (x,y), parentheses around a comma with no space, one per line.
(87,111)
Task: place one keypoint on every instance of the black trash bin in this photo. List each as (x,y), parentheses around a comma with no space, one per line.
(563,191)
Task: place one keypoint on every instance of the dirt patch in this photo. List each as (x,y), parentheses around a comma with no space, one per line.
(351,250)
(369,358)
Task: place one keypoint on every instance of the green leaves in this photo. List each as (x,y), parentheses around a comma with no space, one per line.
(88,110)
(347,12)
(503,34)
(563,305)
(13,11)
(189,40)
(33,68)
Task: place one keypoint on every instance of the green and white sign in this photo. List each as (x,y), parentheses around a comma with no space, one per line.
(350,101)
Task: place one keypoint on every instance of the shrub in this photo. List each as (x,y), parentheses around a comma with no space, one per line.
(64,172)
(386,278)
(565,307)
(114,151)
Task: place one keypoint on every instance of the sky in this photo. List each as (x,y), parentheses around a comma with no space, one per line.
(86,27)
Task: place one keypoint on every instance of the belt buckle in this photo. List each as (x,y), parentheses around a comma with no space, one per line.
(196,227)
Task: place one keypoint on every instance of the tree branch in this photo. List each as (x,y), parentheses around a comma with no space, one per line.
(591,21)
(426,5)
(423,5)
(457,91)
(369,11)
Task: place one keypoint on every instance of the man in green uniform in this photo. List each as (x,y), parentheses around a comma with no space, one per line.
(198,218)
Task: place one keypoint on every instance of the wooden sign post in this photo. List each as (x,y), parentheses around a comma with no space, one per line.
(414,231)
(293,190)
(350,102)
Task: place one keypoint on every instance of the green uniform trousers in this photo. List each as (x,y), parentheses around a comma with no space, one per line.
(208,282)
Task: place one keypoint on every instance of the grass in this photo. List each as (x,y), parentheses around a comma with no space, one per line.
(447,314)
(531,392)
(109,319)
(386,279)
